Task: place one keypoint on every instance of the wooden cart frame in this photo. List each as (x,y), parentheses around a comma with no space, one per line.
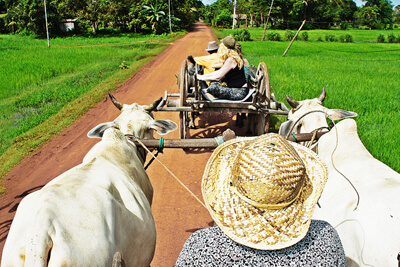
(191,101)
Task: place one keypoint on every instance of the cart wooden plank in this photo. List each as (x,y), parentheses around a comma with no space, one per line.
(209,142)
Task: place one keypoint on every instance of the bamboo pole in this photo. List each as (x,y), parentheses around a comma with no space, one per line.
(287,49)
(265,26)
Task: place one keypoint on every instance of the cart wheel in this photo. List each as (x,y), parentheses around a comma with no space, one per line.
(183,115)
(261,121)
(260,124)
(184,124)
(264,87)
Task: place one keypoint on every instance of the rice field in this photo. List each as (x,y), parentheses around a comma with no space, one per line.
(362,77)
(38,82)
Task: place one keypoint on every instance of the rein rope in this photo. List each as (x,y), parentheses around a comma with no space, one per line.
(160,149)
(336,145)
(173,175)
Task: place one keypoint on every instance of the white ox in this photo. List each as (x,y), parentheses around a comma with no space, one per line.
(100,207)
(369,230)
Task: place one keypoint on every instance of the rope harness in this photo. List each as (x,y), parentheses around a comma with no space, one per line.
(336,145)
(173,175)
(160,149)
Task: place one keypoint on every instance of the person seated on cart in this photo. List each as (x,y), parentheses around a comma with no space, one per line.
(261,193)
(232,72)
(246,64)
(207,61)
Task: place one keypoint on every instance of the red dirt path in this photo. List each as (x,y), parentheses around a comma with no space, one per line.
(176,212)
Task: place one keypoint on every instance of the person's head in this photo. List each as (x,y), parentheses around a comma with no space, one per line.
(227,48)
(212,47)
(262,191)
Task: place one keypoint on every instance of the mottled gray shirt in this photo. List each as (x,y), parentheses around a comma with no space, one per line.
(211,247)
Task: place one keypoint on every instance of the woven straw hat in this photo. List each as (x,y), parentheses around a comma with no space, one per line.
(262,191)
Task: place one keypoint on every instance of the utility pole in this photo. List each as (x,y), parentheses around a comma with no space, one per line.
(234,15)
(47,28)
(169,14)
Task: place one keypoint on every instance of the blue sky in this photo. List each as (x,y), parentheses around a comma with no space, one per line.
(358,2)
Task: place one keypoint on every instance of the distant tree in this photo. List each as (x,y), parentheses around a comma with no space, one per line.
(384,12)
(224,19)
(154,13)
(118,14)
(368,16)
(27,16)
(347,10)
(396,14)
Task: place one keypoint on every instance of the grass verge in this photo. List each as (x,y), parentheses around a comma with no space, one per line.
(45,106)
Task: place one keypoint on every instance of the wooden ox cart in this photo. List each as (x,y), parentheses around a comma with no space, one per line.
(191,102)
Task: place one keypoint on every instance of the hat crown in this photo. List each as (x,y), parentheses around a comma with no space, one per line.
(229,42)
(213,45)
(268,173)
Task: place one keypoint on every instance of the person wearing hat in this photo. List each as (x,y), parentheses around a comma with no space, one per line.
(261,193)
(207,61)
(232,72)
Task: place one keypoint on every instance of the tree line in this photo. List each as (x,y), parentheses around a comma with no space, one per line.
(143,16)
(163,16)
(289,14)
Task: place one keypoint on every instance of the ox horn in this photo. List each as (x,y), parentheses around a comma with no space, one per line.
(293,103)
(321,98)
(115,101)
(153,106)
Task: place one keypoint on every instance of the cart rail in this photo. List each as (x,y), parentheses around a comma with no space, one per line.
(210,142)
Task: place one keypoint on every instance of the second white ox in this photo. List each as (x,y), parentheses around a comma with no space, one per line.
(98,208)
(361,197)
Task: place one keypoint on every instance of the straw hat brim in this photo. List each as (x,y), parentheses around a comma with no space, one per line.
(260,228)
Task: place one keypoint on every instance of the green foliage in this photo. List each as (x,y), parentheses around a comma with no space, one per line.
(289,35)
(123,65)
(304,36)
(242,35)
(347,38)
(273,36)
(391,38)
(224,18)
(362,36)
(381,38)
(359,82)
(344,25)
(154,14)
(38,82)
(330,38)
(27,16)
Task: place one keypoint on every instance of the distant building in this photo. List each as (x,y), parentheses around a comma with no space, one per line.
(241,17)
(67,25)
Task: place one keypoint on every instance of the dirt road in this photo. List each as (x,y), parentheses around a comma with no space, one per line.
(176,212)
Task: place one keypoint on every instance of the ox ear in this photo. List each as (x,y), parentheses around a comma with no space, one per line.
(163,126)
(338,114)
(285,127)
(97,132)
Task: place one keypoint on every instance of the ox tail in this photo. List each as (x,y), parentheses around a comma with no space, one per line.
(38,250)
